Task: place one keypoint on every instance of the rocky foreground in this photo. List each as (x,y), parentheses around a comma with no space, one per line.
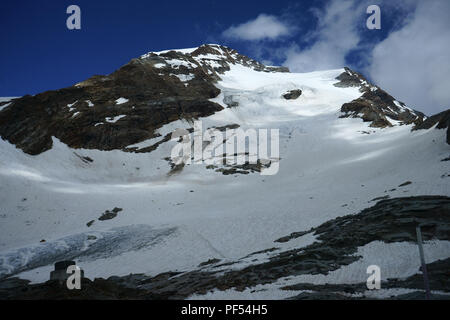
(389,221)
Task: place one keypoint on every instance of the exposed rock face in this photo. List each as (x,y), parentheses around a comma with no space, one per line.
(108,215)
(375,105)
(154,99)
(441,119)
(293,94)
(125,107)
(128,288)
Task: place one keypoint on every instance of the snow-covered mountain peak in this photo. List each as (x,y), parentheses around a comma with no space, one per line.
(160,88)
(215,58)
(87,173)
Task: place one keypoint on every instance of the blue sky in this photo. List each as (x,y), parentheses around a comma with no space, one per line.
(408,56)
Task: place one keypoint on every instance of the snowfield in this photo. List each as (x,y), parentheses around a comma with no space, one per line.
(5,99)
(175,222)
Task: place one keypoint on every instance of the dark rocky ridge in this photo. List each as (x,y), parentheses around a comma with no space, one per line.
(292,94)
(441,119)
(375,105)
(160,88)
(392,220)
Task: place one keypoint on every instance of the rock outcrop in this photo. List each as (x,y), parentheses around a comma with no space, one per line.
(375,105)
(441,120)
(292,94)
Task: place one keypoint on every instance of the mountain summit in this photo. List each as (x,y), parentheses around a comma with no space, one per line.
(129,105)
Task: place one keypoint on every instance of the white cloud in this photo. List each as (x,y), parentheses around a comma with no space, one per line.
(263,27)
(413,63)
(336,35)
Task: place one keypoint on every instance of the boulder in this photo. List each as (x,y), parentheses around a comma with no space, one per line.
(292,94)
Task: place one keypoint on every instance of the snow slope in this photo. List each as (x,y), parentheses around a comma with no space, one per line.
(199,214)
(5,99)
